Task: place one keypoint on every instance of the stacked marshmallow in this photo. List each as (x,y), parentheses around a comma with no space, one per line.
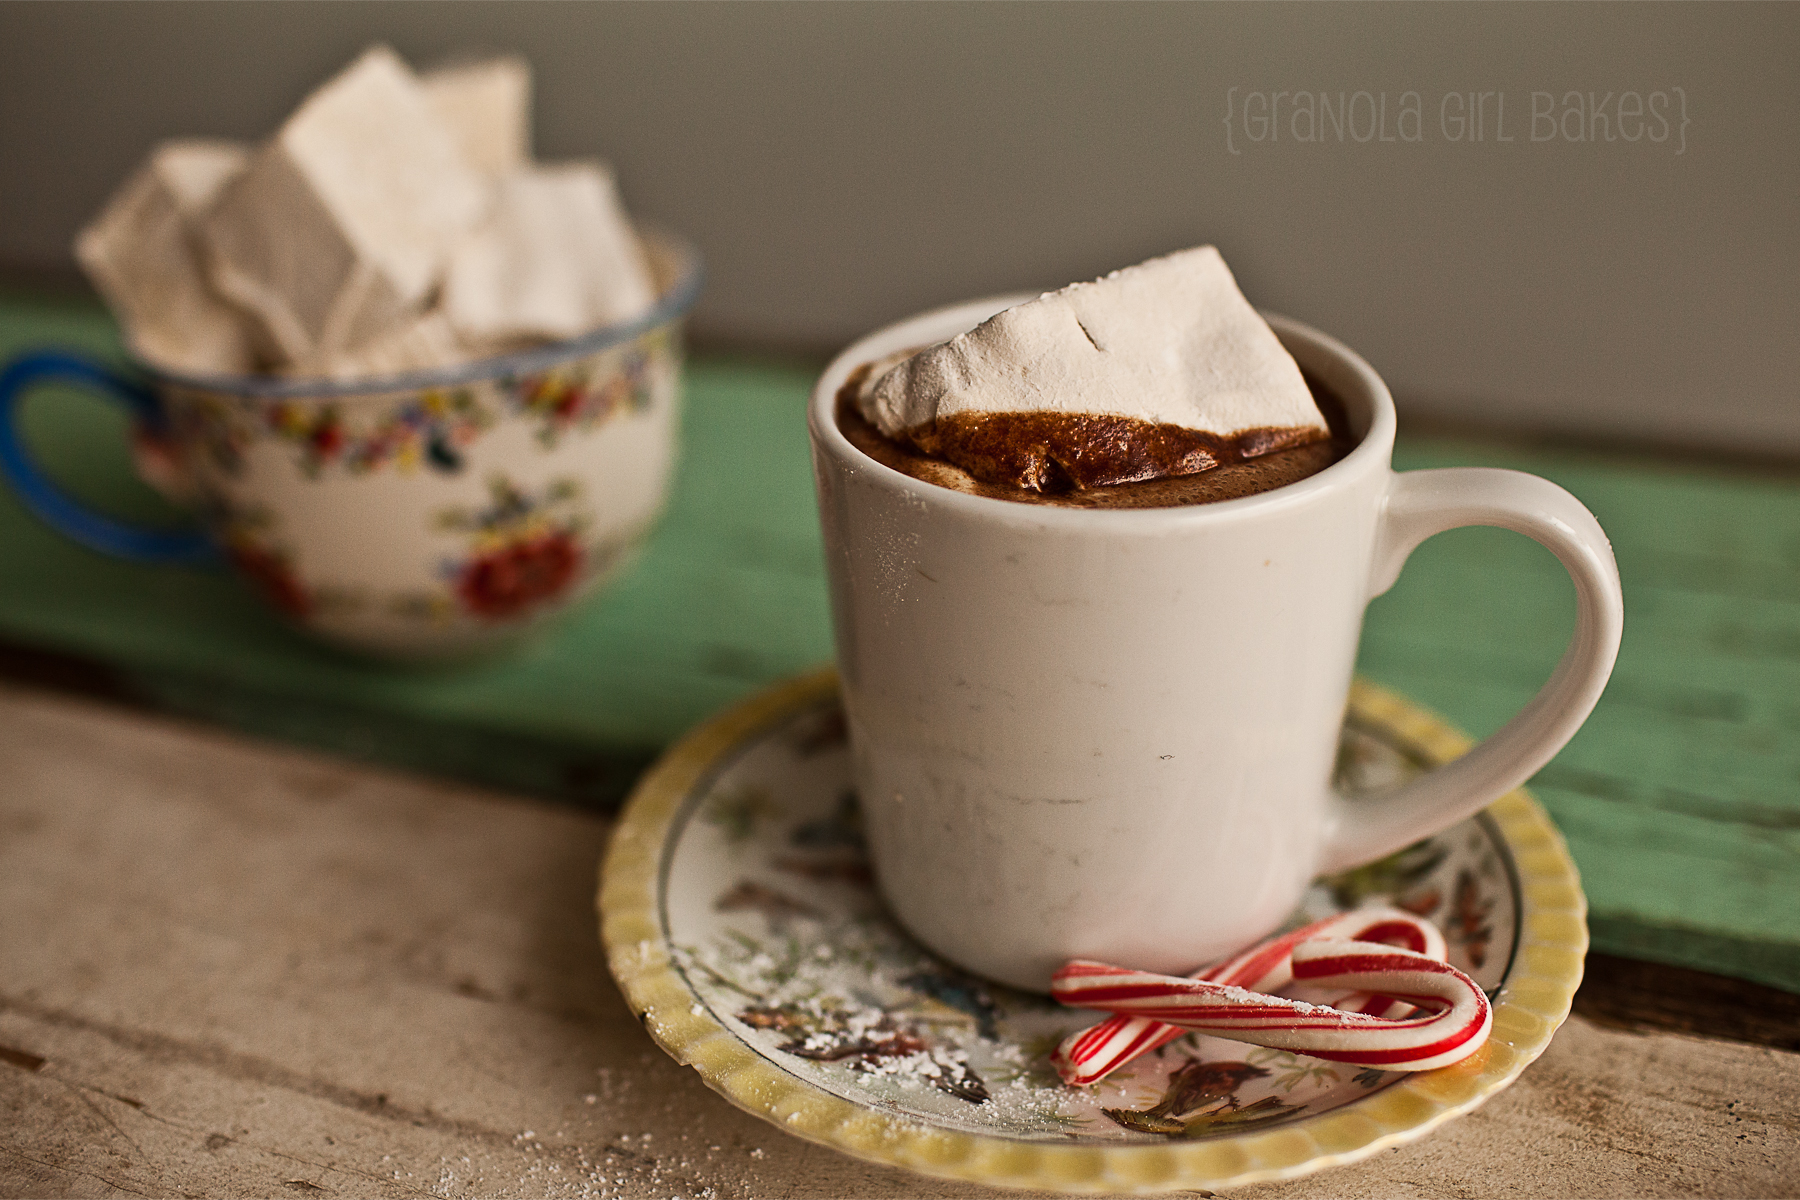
(395,222)
(1171,341)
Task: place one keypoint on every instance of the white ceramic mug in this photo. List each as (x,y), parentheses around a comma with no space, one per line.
(425,515)
(1110,733)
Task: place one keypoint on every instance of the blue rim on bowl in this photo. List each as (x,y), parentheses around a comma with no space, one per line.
(682,274)
(674,260)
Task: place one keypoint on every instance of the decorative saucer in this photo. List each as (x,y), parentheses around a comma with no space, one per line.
(741,922)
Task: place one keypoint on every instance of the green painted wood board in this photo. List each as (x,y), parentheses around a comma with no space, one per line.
(1679,797)
(727,596)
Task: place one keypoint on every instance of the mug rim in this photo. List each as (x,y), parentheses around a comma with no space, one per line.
(1373,451)
(675,301)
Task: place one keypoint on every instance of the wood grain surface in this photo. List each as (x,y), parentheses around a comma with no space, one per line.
(230,968)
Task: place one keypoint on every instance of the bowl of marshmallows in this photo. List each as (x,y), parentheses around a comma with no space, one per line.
(420,390)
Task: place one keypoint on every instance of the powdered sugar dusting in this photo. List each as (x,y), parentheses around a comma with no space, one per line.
(772,918)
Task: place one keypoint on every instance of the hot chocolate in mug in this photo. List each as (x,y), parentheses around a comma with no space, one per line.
(1110,734)
(426,515)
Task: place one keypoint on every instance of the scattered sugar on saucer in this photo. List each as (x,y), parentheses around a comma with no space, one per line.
(855,1008)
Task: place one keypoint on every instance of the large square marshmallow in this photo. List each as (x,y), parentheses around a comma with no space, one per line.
(341,225)
(142,253)
(1170,341)
(486,104)
(557,258)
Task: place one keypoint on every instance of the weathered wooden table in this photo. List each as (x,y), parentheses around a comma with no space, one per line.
(229,966)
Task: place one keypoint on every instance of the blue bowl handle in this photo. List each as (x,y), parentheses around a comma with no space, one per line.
(56,507)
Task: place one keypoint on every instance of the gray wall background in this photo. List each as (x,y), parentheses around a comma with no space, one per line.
(843,165)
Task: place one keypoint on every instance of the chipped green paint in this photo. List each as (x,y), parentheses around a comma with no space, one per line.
(1680,798)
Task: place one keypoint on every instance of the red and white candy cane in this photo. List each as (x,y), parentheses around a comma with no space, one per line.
(1093,1053)
(1453,1027)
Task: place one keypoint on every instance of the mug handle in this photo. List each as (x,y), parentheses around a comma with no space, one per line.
(1419,504)
(56,507)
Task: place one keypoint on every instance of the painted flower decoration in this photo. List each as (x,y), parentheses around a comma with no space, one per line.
(432,429)
(212,425)
(585,395)
(525,550)
(508,581)
(271,575)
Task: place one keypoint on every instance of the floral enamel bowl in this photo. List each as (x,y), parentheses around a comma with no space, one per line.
(425,515)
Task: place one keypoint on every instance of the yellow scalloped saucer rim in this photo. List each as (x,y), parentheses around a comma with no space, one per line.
(1530,1007)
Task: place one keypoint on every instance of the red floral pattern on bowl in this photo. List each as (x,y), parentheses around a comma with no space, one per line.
(509,581)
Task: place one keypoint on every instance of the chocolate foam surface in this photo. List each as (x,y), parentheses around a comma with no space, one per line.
(1089,461)
(1232,472)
